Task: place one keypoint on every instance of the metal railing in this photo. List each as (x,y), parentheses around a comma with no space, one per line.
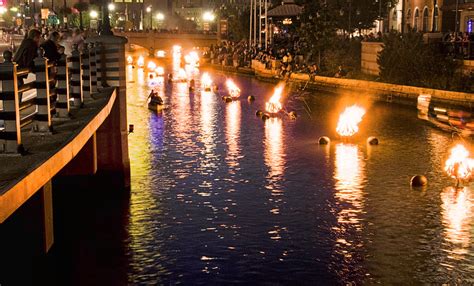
(32,99)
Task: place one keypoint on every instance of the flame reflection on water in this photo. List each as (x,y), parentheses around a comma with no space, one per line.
(233,133)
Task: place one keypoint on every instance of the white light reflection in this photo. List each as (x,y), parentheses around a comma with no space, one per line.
(458,219)
(233,133)
(141,76)
(274,151)
(350,180)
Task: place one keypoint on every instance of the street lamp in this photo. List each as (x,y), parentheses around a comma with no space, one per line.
(41,2)
(111,7)
(93,14)
(160,17)
(207,17)
(148,10)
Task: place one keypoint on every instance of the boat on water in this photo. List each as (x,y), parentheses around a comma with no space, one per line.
(447,117)
(155,102)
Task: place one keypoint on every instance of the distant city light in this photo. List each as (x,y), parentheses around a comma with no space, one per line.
(2,10)
(208,16)
(148,9)
(111,7)
(160,16)
(93,14)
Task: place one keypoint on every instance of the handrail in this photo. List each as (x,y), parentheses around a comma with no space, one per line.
(56,86)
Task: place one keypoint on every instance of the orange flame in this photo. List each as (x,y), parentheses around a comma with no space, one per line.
(234,90)
(151,65)
(349,120)
(274,105)
(192,59)
(141,62)
(206,82)
(459,166)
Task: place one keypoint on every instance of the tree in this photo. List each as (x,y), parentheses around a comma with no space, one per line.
(406,59)
(318,25)
(81,7)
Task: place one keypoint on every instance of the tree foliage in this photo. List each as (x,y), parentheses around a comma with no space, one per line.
(406,59)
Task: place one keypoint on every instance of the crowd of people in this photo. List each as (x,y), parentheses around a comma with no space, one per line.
(285,60)
(53,42)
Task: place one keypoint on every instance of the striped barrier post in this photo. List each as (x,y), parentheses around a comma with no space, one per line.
(76,79)
(98,65)
(93,67)
(86,77)
(62,89)
(42,119)
(10,137)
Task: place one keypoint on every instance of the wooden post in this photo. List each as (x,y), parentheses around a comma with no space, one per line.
(76,79)
(62,90)
(46,194)
(42,119)
(86,77)
(10,138)
(93,67)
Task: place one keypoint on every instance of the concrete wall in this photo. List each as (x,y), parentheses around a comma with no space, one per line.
(379,90)
(369,54)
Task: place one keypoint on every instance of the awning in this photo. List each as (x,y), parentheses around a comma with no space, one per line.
(285,10)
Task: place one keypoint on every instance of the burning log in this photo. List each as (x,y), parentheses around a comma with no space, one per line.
(459,166)
(348,124)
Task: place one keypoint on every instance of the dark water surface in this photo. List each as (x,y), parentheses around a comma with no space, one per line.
(220,197)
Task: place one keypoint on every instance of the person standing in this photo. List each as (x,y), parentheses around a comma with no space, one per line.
(50,47)
(28,50)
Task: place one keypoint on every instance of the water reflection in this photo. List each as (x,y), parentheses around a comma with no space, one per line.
(457,219)
(233,133)
(274,153)
(141,76)
(349,174)
(207,129)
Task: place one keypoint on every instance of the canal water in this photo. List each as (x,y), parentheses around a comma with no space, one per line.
(219,196)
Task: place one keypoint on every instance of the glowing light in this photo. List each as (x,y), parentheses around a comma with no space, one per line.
(274,105)
(140,62)
(192,59)
(182,76)
(160,54)
(160,16)
(176,49)
(129,60)
(459,166)
(151,66)
(349,120)
(111,7)
(93,14)
(208,16)
(206,82)
(234,90)
(160,71)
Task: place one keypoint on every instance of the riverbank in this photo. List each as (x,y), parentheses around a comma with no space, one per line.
(378,91)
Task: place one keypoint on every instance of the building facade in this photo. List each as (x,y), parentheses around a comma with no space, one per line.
(417,15)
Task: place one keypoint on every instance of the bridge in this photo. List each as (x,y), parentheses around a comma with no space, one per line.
(63,121)
(157,40)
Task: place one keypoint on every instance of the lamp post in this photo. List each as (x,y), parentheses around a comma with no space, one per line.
(148,10)
(456,24)
(105,27)
(208,17)
(160,17)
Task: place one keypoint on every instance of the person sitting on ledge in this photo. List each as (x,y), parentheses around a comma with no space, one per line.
(341,72)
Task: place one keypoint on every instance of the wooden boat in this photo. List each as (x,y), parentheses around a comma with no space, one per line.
(155,102)
(447,117)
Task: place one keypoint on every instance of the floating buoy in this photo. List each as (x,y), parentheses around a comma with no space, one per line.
(265,116)
(373,140)
(259,113)
(418,181)
(324,140)
(251,98)
(228,99)
(292,114)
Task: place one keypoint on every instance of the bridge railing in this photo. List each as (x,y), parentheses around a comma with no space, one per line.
(34,99)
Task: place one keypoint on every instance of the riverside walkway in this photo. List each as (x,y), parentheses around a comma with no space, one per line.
(69,121)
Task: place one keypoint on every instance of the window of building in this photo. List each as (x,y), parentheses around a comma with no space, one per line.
(435,19)
(416,19)
(408,20)
(425,19)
